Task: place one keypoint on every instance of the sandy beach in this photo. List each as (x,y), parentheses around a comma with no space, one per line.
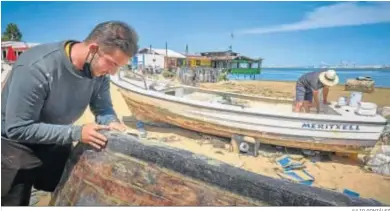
(338,174)
(380,96)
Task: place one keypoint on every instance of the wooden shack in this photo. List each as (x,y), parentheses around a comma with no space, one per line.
(198,61)
(245,65)
(234,62)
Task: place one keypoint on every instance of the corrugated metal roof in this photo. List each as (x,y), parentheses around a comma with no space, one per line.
(160,51)
(171,53)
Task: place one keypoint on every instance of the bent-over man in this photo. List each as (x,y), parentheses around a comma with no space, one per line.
(308,86)
(49,88)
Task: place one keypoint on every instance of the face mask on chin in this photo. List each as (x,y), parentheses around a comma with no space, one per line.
(87,67)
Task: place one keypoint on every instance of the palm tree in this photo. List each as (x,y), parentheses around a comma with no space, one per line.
(12,33)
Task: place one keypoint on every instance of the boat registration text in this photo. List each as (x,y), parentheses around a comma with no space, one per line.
(330,126)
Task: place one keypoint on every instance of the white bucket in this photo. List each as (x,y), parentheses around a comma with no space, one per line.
(367,106)
(366,109)
(342,101)
(355,98)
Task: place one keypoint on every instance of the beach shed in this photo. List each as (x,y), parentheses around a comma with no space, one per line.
(245,65)
(171,58)
(14,47)
(236,63)
(148,60)
(219,59)
(198,61)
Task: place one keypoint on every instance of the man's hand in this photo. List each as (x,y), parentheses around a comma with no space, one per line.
(117,126)
(91,136)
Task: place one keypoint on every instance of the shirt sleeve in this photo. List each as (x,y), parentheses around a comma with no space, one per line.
(101,104)
(28,90)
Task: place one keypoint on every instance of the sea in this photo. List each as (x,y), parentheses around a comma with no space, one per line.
(380,76)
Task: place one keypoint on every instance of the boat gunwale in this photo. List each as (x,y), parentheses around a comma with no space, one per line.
(190,102)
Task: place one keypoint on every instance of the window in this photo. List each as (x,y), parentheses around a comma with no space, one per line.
(180,62)
(244,65)
(255,65)
(234,65)
(197,62)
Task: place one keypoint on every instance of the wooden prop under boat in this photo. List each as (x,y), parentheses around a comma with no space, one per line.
(150,173)
(269,120)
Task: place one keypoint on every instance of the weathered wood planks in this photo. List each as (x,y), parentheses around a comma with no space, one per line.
(131,172)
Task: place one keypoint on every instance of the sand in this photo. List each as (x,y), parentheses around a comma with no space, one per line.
(337,175)
(380,96)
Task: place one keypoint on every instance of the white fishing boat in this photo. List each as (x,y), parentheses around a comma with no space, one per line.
(269,120)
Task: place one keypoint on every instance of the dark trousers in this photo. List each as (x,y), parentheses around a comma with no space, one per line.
(24,166)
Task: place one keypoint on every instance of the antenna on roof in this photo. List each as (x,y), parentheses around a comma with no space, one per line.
(166,48)
(231,43)
(187,56)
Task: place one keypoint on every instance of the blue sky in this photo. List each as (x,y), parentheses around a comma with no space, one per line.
(283,33)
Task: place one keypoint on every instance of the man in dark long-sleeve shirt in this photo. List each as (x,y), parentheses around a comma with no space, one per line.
(49,88)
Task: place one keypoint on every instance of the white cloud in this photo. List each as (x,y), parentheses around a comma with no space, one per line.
(336,15)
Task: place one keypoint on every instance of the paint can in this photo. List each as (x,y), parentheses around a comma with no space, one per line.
(355,99)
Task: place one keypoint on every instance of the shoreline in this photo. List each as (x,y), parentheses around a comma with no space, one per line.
(336,68)
(294,82)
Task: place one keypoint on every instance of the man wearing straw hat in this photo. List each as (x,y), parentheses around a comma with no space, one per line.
(308,86)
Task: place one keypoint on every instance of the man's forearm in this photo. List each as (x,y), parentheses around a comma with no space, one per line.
(316,100)
(105,117)
(41,133)
(325,94)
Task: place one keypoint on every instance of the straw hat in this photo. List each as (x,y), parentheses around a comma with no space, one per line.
(329,78)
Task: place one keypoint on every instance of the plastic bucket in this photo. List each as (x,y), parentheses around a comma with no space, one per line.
(342,101)
(355,98)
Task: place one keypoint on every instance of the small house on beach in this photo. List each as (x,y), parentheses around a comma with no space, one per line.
(11,50)
(171,58)
(236,63)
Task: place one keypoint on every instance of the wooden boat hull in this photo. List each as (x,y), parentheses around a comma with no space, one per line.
(146,109)
(147,173)
(298,132)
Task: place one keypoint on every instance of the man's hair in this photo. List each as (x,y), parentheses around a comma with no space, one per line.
(112,35)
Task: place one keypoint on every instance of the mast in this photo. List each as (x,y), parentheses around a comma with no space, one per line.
(231,42)
(187,57)
(166,53)
(229,62)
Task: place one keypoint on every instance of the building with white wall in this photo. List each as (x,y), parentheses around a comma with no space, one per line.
(159,58)
(17,48)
